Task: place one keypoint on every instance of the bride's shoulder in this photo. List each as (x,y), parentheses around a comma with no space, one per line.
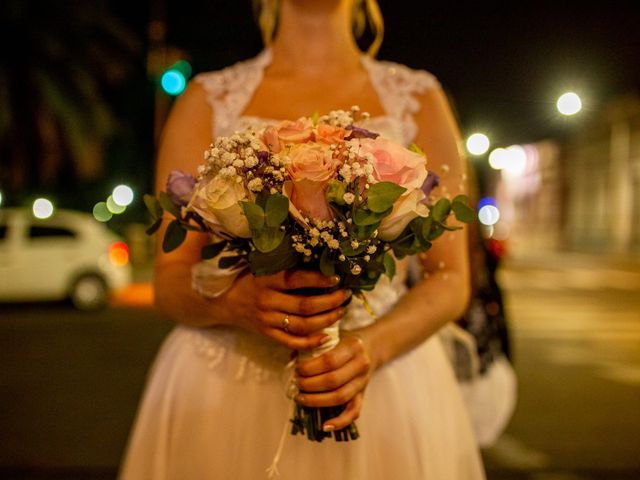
(218,82)
(402,77)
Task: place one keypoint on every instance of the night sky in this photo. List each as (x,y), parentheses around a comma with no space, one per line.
(503,64)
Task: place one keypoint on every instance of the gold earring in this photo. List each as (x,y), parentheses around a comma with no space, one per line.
(368,12)
(266,12)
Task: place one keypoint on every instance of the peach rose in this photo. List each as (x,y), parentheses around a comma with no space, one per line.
(271,140)
(310,168)
(394,163)
(330,134)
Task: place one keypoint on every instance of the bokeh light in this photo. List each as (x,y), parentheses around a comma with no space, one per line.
(498,158)
(122,195)
(173,81)
(569,103)
(42,208)
(119,254)
(113,207)
(488,215)
(515,160)
(478,144)
(101,213)
(0,198)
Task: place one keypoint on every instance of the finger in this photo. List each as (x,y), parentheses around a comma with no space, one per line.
(302,305)
(295,342)
(334,379)
(347,417)
(340,396)
(304,326)
(294,279)
(327,362)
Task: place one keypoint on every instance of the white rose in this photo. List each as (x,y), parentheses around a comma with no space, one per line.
(216,201)
(406,208)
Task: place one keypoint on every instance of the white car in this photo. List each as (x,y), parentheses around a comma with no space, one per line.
(69,255)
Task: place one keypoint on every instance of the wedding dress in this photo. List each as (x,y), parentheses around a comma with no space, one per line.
(215,404)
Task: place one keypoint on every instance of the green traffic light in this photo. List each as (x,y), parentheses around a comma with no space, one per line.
(173,81)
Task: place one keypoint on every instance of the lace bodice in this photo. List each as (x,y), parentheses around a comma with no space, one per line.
(230,90)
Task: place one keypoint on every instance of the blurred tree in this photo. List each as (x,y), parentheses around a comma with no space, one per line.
(58,62)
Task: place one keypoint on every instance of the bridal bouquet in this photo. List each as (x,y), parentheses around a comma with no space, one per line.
(316,193)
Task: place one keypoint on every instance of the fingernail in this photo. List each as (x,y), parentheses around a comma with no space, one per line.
(335,279)
(328,428)
(348,293)
(325,339)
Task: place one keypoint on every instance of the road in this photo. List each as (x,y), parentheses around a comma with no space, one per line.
(70,381)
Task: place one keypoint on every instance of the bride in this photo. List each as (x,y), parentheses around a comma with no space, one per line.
(215,404)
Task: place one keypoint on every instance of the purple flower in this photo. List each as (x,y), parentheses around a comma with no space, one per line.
(180,187)
(357,132)
(431,182)
(262,156)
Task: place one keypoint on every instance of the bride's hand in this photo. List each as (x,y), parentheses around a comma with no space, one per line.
(262,303)
(337,377)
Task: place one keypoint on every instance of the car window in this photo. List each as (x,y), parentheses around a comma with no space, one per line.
(40,231)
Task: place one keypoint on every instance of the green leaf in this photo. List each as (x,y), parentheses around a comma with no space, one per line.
(228,262)
(441,210)
(349,251)
(416,149)
(168,205)
(427,222)
(173,237)
(461,209)
(282,258)
(363,217)
(327,263)
(314,118)
(254,214)
(212,250)
(267,239)
(381,196)
(436,231)
(389,265)
(154,227)
(277,210)
(261,199)
(155,210)
(365,232)
(335,192)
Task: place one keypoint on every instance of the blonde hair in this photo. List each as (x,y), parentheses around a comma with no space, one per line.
(364,12)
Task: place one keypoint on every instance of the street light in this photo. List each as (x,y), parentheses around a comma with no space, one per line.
(569,103)
(478,144)
(42,208)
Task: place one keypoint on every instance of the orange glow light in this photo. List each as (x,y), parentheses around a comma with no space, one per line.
(119,254)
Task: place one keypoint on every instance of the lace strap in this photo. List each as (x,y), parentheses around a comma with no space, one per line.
(229,90)
(397,87)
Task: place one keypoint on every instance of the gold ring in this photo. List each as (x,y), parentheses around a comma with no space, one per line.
(285,323)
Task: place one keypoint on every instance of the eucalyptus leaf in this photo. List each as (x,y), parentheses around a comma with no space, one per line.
(389,265)
(381,196)
(436,231)
(335,192)
(461,209)
(173,237)
(267,239)
(282,258)
(363,217)
(276,210)
(254,213)
(327,263)
(228,262)
(155,210)
(154,227)
(349,251)
(441,210)
(212,250)
(168,205)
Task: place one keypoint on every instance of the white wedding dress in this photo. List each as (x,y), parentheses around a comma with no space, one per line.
(215,404)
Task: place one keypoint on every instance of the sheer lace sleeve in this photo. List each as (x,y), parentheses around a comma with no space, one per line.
(230,90)
(398,87)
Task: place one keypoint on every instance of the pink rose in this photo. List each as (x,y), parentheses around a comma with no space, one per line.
(330,134)
(310,168)
(295,132)
(271,140)
(394,163)
(406,208)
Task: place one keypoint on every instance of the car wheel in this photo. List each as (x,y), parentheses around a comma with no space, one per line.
(89,292)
